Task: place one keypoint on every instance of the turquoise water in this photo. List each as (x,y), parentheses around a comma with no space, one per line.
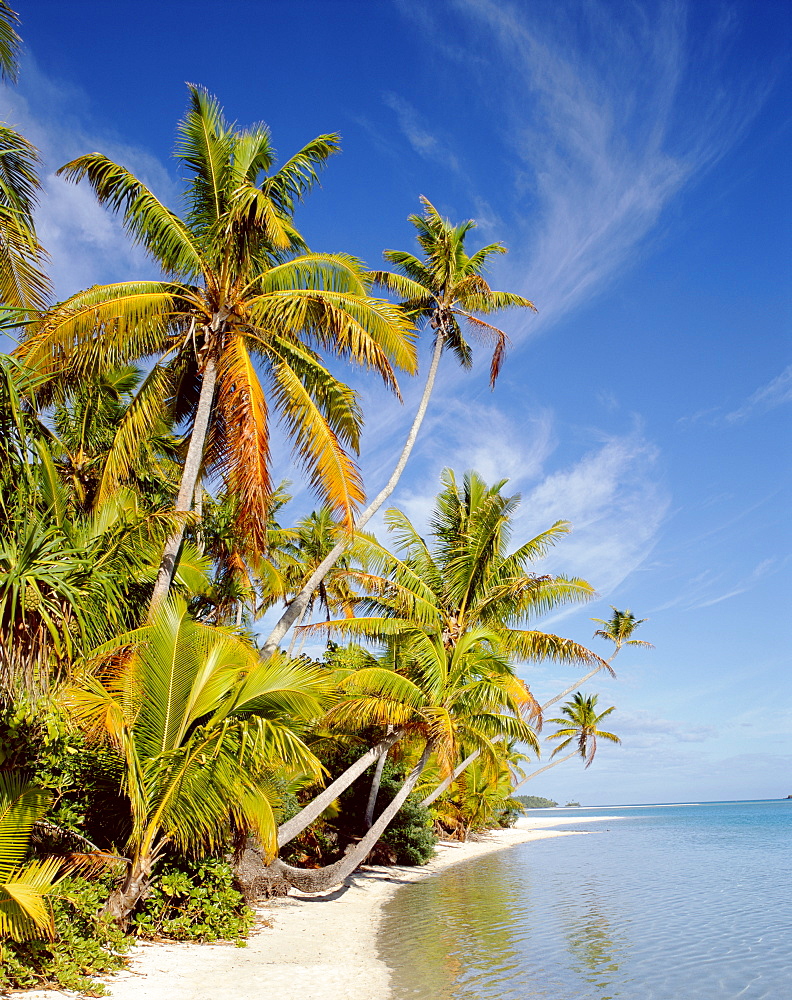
(688,902)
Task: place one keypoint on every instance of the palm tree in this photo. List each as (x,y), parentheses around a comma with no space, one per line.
(85,424)
(617,629)
(581,726)
(202,725)
(10,43)
(435,697)
(241,285)
(444,289)
(464,594)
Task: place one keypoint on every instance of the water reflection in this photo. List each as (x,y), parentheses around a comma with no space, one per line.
(683,898)
(467,934)
(595,952)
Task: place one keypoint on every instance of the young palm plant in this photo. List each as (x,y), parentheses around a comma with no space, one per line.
(241,289)
(24,885)
(203,726)
(446,290)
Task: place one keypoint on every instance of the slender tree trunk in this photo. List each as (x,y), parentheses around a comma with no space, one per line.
(376,781)
(294,634)
(320,879)
(300,602)
(190,473)
(577,684)
(541,770)
(292,827)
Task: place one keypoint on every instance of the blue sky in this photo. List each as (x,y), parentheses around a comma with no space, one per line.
(634,158)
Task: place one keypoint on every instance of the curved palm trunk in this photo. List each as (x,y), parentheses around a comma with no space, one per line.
(300,602)
(579,681)
(189,480)
(320,879)
(376,781)
(541,770)
(292,827)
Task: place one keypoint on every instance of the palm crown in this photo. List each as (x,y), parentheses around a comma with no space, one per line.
(447,285)
(467,579)
(581,725)
(619,628)
(240,287)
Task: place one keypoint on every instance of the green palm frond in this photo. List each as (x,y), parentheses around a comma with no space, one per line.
(23,284)
(10,42)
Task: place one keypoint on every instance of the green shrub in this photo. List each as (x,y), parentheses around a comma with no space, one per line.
(410,835)
(86,944)
(194,901)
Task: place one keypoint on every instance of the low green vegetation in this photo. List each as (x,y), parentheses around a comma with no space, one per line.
(152,741)
(535,802)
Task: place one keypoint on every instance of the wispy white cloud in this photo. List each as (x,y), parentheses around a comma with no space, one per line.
(423,140)
(609,113)
(775,393)
(86,243)
(709,588)
(615,500)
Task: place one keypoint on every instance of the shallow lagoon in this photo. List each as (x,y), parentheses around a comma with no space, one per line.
(654,902)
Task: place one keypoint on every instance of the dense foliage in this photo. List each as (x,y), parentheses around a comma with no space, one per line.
(85,943)
(194,900)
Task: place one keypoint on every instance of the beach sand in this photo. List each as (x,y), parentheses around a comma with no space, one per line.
(304,947)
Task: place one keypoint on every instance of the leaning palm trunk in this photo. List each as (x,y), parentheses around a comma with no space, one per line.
(446,783)
(541,770)
(292,827)
(298,605)
(581,681)
(321,879)
(189,481)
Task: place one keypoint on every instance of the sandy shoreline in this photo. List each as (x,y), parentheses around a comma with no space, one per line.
(318,947)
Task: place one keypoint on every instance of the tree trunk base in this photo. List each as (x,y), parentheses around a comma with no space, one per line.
(256,879)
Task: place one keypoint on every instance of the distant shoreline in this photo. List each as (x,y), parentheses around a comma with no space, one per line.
(315,947)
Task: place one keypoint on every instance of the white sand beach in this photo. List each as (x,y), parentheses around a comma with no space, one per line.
(305,947)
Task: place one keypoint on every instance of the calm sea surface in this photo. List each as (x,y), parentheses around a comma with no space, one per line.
(688,902)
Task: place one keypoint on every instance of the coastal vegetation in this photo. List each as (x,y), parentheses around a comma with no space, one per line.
(162,763)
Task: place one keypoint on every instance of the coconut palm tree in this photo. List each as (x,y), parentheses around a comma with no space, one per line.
(446,290)
(617,629)
(203,726)
(463,593)
(241,289)
(436,697)
(581,726)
